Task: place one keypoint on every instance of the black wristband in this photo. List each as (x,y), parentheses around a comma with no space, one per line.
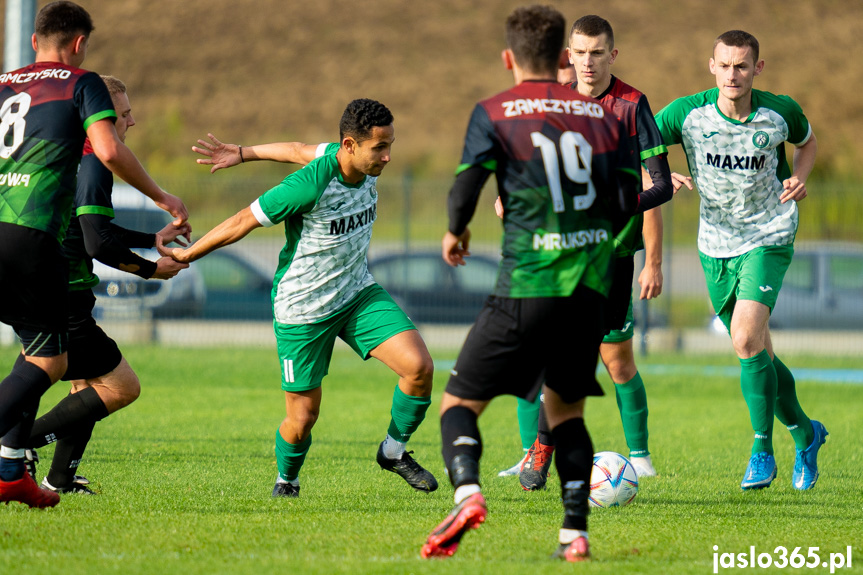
(242,160)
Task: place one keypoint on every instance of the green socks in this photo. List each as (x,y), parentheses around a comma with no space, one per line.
(290,457)
(788,409)
(632,403)
(528,417)
(408,412)
(758,383)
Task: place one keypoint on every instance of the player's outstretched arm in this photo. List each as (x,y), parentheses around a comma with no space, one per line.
(119,159)
(804,161)
(220,155)
(228,232)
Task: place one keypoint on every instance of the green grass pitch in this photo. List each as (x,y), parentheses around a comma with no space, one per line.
(184,478)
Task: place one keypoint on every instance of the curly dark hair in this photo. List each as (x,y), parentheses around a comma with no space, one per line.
(535,34)
(60,22)
(361,116)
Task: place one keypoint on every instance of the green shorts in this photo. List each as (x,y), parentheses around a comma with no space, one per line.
(624,334)
(756,275)
(367,321)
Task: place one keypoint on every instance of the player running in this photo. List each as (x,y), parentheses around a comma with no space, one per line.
(568,181)
(591,52)
(102,380)
(323,288)
(734,138)
(47,110)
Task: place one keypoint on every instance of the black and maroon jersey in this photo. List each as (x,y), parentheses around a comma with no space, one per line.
(632,109)
(91,233)
(558,158)
(45,110)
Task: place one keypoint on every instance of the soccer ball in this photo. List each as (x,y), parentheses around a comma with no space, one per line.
(613,482)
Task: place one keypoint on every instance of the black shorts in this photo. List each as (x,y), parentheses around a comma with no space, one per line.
(34,283)
(620,294)
(516,344)
(91,352)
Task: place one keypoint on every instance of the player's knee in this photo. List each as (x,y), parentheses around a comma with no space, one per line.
(124,392)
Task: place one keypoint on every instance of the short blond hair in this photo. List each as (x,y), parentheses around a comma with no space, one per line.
(115,85)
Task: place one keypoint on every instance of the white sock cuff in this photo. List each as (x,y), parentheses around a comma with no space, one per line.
(465,491)
(10,453)
(567,536)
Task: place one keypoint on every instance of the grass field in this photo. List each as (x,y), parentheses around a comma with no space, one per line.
(184,478)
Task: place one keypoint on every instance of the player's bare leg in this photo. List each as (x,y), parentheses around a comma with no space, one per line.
(619,361)
(406,354)
(750,337)
(294,438)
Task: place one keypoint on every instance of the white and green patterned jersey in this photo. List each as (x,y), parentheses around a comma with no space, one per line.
(328,227)
(739,168)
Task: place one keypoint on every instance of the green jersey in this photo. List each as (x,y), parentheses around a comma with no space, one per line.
(328,228)
(739,168)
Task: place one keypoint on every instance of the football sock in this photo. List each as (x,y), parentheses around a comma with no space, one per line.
(11,464)
(290,457)
(567,536)
(462,445)
(528,415)
(758,383)
(632,403)
(393,448)
(574,462)
(68,454)
(18,393)
(408,411)
(465,491)
(788,409)
(76,411)
(543,433)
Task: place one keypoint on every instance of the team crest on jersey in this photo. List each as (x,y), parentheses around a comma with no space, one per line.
(760,139)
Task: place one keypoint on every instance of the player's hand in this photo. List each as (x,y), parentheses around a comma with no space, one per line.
(793,189)
(174,206)
(679,180)
(172,233)
(650,280)
(219,155)
(498,207)
(166,268)
(455,248)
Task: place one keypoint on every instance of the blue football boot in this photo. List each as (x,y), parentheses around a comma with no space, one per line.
(760,472)
(806,463)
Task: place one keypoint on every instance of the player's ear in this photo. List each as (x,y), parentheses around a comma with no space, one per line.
(711,65)
(564,61)
(348,143)
(79,44)
(759,67)
(34,43)
(507,57)
(613,56)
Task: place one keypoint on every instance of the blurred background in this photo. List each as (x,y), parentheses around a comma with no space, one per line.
(255,71)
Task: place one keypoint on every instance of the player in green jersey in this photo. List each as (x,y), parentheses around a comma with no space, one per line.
(323,289)
(734,138)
